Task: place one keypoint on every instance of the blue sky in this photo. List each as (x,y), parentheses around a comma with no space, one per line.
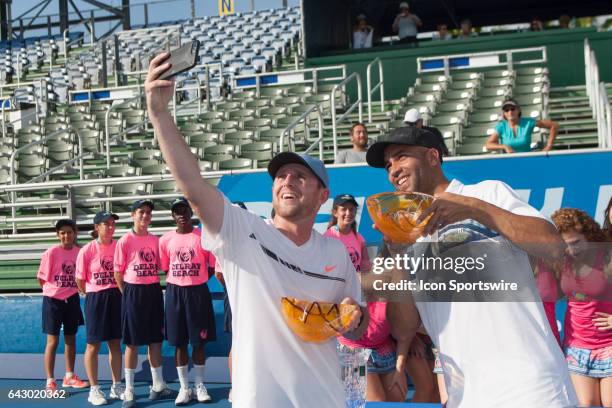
(158,11)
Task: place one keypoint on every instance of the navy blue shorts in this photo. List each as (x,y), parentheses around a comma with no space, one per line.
(142,314)
(227,313)
(190,317)
(56,313)
(103,315)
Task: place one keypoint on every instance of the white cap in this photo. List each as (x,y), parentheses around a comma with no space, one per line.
(404,4)
(412,116)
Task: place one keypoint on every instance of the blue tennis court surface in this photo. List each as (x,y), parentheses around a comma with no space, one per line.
(78,398)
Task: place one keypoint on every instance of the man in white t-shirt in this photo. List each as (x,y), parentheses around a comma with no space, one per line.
(264,261)
(493,354)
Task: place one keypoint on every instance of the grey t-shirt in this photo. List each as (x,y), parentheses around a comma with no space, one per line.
(407,27)
(350,156)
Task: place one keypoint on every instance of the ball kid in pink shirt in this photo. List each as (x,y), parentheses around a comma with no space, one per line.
(386,380)
(189,317)
(95,277)
(61,304)
(136,272)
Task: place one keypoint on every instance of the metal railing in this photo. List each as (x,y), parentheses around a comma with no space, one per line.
(598,97)
(304,117)
(358,103)
(486,59)
(380,85)
(298,76)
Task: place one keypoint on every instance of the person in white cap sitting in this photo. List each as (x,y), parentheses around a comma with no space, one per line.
(413,118)
(362,34)
(406,24)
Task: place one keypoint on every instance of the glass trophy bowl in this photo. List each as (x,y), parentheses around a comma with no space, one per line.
(314,321)
(395,214)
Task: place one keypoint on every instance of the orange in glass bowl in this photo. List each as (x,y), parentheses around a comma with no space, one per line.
(395,214)
(314,321)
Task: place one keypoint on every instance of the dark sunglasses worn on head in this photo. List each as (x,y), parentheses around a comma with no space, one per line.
(509,108)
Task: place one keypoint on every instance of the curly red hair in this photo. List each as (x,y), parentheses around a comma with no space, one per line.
(573,219)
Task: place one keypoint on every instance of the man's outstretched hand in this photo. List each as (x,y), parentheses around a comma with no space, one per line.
(158,91)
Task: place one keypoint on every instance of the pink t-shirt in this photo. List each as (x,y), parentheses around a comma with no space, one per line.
(184,259)
(354,244)
(95,266)
(137,258)
(582,293)
(57,269)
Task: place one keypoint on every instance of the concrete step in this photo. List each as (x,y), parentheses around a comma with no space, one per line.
(590,122)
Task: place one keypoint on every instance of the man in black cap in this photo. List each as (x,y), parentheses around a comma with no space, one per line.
(264,261)
(529,367)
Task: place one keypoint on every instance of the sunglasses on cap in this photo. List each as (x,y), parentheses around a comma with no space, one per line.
(509,108)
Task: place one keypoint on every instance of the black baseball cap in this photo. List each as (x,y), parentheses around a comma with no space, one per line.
(65,222)
(316,166)
(345,198)
(510,102)
(139,203)
(102,216)
(179,201)
(409,136)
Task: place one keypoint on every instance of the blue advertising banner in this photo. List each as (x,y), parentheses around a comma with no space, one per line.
(547,182)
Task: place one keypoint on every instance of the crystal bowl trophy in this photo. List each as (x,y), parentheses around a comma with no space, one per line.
(395,215)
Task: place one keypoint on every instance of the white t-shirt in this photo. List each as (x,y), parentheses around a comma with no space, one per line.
(497,354)
(271,366)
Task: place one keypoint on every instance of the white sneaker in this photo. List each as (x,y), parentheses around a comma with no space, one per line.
(129,399)
(184,396)
(202,393)
(96,397)
(116,391)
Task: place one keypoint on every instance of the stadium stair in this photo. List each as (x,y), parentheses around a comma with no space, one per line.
(569,106)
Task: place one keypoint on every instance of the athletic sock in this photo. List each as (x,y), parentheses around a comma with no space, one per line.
(129,379)
(158,379)
(69,375)
(50,380)
(198,373)
(183,373)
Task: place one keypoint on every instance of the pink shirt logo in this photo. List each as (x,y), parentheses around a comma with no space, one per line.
(146,254)
(106,263)
(66,279)
(185,254)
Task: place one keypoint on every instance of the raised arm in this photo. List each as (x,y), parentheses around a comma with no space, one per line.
(554,128)
(205,199)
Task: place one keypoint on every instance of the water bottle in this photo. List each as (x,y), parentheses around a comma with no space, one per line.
(353,374)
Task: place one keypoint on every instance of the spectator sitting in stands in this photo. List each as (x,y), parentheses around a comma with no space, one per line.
(413,118)
(564,21)
(513,133)
(536,25)
(406,23)
(359,139)
(466,29)
(442,33)
(362,34)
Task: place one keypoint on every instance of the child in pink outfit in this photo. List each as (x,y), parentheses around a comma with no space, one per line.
(189,314)
(386,380)
(61,304)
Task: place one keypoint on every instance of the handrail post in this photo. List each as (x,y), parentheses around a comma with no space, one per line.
(207,84)
(369,87)
(65,46)
(382,85)
(174,103)
(360,98)
(107,134)
(320,123)
(333,118)
(81,171)
(199,93)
